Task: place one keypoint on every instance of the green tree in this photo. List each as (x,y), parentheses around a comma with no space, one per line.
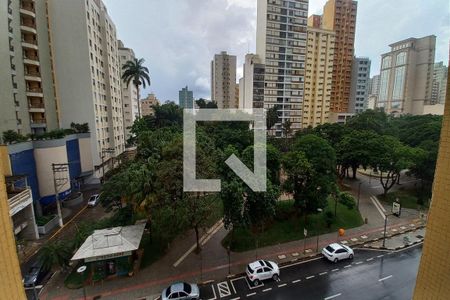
(375,120)
(138,74)
(272,117)
(10,136)
(232,196)
(55,254)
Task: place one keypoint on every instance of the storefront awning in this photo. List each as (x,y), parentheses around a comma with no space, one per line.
(110,243)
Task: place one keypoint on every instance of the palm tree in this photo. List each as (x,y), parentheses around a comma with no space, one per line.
(55,254)
(135,71)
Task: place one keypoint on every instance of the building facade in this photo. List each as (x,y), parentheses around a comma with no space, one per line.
(319,74)
(340,16)
(359,92)
(438,91)
(223,80)
(281,35)
(130,99)
(89,79)
(406,76)
(374,85)
(186,98)
(27,90)
(251,90)
(147,105)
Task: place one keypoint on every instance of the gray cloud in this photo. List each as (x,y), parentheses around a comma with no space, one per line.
(178,38)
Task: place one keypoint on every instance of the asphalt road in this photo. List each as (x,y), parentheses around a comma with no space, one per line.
(370,275)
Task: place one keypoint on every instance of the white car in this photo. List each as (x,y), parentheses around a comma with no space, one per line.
(336,252)
(93,201)
(261,270)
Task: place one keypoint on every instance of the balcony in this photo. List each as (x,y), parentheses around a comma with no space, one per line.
(11,51)
(38,123)
(36,107)
(33,76)
(35,92)
(19,201)
(31,60)
(27,8)
(30,44)
(10,33)
(28,27)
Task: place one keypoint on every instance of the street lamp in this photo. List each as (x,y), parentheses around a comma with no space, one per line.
(319,210)
(359,193)
(81,271)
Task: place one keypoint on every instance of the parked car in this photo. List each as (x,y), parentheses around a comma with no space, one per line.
(35,274)
(261,270)
(93,201)
(181,291)
(336,252)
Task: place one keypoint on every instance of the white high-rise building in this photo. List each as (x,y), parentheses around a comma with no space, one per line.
(439,89)
(88,72)
(251,86)
(359,91)
(281,45)
(130,100)
(223,80)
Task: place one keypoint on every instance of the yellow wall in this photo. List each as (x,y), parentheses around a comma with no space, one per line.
(11,279)
(433,280)
(4,157)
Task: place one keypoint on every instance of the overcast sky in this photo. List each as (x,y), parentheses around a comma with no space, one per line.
(178,38)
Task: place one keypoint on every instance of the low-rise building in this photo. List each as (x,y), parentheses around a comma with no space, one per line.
(147,105)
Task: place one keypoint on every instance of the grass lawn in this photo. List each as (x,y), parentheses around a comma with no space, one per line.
(76,280)
(287,226)
(408,198)
(155,248)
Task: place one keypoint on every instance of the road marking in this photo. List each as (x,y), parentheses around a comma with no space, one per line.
(347,266)
(358,263)
(266,290)
(380,256)
(212,231)
(282,285)
(214,293)
(332,297)
(251,286)
(251,294)
(369,259)
(378,206)
(323,273)
(309,277)
(237,298)
(334,270)
(224,289)
(384,278)
(296,281)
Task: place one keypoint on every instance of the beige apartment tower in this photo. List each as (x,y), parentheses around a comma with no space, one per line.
(88,72)
(130,100)
(147,105)
(223,80)
(319,74)
(251,86)
(340,17)
(406,76)
(281,34)
(27,92)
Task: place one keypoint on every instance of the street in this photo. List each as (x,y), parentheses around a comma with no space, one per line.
(370,275)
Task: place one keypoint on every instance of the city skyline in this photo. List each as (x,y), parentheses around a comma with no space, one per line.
(232,28)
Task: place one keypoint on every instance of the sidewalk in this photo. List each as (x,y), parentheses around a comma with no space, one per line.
(212,263)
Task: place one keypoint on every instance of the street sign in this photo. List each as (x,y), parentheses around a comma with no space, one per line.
(396,208)
(81,269)
(305,232)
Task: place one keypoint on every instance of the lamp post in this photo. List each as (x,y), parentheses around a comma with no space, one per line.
(359,193)
(319,210)
(81,271)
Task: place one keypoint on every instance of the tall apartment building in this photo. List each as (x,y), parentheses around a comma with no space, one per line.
(340,16)
(406,76)
(281,35)
(374,85)
(359,92)
(147,105)
(251,86)
(223,80)
(186,98)
(130,101)
(319,73)
(27,92)
(88,78)
(438,91)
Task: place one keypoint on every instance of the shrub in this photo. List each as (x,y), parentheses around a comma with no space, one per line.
(347,200)
(10,136)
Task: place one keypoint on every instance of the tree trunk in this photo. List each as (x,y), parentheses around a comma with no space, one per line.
(354,168)
(335,205)
(138,101)
(197,239)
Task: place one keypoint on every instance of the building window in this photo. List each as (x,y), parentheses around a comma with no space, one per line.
(401,59)
(384,82)
(386,62)
(399,82)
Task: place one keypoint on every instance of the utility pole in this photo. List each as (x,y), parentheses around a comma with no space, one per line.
(385,225)
(58,183)
(319,210)
(359,193)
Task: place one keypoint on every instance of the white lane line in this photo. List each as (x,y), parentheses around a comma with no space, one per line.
(266,290)
(237,298)
(212,231)
(323,273)
(309,277)
(380,256)
(251,294)
(384,278)
(378,208)
(296,281)
(369,259)
(214,293)
(358,263)
(332,297)
(334,270)
(347,266)
(282,285)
